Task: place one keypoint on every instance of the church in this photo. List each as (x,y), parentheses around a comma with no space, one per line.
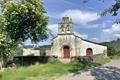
(66,44)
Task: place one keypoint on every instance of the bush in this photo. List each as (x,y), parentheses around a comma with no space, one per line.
(112,51)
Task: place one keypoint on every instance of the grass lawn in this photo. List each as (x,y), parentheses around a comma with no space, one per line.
(114,57)
(102,60)
(48,71)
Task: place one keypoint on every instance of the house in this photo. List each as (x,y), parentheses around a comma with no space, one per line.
(31,50)
(66,44)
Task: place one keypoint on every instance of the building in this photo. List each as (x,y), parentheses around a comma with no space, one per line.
(31,50)
(66,44)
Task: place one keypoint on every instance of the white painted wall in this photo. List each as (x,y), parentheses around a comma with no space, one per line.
(60,41)
(77,46)
(30,51)
(97,49)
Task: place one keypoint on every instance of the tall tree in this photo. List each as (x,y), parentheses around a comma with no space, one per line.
(21,20)
(7,46)
(25,19)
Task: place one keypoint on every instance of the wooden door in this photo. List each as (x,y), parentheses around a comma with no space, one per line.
(66,52)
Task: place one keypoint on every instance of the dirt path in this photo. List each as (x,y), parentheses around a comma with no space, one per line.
(110,71)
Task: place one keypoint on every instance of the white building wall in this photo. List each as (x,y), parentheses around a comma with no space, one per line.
(97,49)
(60,41)
(77,46)
(30,51)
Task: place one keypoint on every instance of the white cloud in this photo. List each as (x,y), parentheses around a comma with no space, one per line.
(111,33)
(106,35)
(84,36)
(95,39)
(53,28)
(82,18)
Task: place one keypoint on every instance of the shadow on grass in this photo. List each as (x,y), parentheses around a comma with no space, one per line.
(99,72)
(106,73)
(79,67)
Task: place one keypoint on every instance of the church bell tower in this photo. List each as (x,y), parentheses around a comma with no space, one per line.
(65,26)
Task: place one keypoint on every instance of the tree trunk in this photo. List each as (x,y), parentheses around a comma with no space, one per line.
(1,63)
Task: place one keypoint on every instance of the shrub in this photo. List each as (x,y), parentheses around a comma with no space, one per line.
(111,51)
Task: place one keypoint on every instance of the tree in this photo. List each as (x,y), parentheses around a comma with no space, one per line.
(20,21)
(113,10)
(112,51)
(6,44)
(25,19)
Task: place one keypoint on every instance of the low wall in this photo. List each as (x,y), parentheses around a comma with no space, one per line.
(87,58)
(27,60)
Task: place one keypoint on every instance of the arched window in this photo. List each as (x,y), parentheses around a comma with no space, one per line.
(62,27)
(89,52)
(68,27)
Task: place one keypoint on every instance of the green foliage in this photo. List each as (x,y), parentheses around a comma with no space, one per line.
(19,21)
(48,71)
(25,20)
(113,47)
(6,43)
(114,9)
(18,51)
(111,51)
(44,48)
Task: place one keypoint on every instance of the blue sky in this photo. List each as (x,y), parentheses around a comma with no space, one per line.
(88,23)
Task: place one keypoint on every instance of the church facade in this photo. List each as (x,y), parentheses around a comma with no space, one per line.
(66,44)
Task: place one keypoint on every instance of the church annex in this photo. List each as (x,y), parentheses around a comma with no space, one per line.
(66,44)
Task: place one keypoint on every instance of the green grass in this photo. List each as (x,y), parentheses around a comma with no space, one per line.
(48,71)
(102,60)
(114,57)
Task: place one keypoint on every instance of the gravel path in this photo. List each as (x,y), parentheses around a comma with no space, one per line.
(109,71)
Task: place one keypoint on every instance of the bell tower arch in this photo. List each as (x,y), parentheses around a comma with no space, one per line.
(65,25)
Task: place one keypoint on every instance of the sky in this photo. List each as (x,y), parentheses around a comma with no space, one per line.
(87,22)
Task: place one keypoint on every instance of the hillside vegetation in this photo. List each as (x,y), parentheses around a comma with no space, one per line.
(115,44)
(113,47)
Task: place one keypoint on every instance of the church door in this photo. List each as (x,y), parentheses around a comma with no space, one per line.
(89,52)
(66,50)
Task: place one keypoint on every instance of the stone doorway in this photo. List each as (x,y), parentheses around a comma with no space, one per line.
(66,51)
(89,52)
